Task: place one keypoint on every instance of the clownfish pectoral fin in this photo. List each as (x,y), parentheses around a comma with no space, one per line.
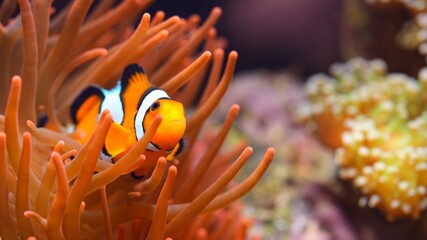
(133,74)
(84,103)
(176,150)
(118,140)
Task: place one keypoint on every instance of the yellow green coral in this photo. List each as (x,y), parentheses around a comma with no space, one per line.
(377,123)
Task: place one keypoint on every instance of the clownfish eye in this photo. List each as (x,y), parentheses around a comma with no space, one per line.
(155,106)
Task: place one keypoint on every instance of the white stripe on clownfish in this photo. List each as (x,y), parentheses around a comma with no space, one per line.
(148,100)
(111,100)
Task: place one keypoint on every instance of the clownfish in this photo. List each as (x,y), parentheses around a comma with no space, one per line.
(133,103)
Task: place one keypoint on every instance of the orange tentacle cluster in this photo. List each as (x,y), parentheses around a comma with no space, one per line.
(63,54)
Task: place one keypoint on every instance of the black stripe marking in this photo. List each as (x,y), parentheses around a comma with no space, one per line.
(144,95)
(42,121)
(180,147)
(128,73)
(156,146)
(81,99)
(141,99)
(136,176)
(105,152)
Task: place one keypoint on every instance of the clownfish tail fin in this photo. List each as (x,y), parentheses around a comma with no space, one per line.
(133,73)
(85,102)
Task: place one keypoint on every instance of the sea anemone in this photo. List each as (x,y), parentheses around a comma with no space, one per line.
(376,122)
(46,61)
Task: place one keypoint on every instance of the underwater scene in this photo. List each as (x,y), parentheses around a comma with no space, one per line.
(216,119)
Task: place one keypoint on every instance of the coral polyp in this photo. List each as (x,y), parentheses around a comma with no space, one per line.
(334,99)
(378,128)
(389,166)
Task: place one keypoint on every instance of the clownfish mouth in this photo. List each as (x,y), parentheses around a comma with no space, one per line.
(174,118)
(175,121)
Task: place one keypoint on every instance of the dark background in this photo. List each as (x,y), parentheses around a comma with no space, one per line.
(273,34)
(304,36)
(307,36)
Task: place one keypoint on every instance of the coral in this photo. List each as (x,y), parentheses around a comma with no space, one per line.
(267,101)
(47,60)
(317,216)
(376,121)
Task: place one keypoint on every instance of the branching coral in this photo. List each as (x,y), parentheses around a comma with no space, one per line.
(377,122)
(57,56)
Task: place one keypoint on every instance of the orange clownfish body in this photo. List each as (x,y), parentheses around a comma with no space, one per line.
(134,103)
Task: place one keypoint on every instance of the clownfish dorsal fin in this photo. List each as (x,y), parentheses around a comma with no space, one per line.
(134,83)
(85,102)
(134,76)
(118,140)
